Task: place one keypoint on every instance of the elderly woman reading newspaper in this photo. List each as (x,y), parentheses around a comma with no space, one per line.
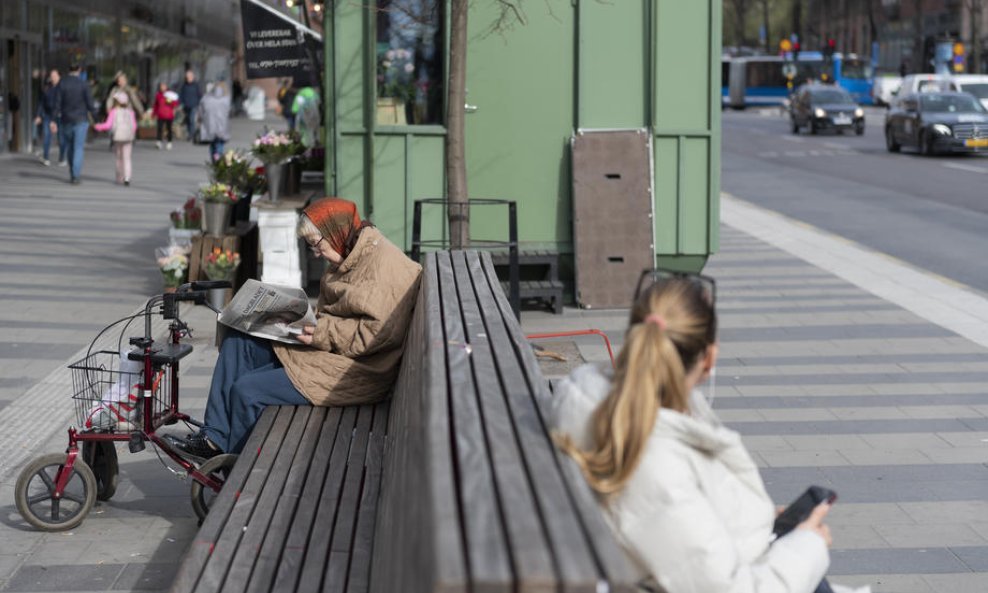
(350,356)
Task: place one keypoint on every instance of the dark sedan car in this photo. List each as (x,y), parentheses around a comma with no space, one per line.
(937,122)
(822,107)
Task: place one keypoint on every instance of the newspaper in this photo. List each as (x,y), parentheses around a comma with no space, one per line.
(269,311)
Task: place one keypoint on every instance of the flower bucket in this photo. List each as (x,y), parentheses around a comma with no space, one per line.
(274,171)
(215,216)
(217,298)
(391,111)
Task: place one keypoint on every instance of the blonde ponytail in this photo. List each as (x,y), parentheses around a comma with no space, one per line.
(671,325)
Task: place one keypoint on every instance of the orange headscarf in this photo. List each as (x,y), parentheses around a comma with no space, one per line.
(337,220)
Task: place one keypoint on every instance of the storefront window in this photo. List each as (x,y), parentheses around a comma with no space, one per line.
(410,62)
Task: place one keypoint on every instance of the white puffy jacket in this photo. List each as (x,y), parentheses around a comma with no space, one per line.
(695,516)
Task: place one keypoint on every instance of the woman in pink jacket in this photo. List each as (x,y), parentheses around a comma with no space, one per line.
(121,122)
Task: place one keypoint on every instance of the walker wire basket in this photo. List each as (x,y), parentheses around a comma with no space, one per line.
(107,392)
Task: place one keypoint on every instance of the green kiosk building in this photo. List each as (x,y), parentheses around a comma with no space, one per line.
(546,95)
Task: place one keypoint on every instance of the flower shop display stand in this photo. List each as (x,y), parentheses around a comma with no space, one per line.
(242,238)
(279,245)
(451,485)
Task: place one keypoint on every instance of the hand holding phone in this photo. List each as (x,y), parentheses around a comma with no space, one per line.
(800,509)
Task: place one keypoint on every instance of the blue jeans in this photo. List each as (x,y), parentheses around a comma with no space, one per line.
(46,139)
(75,141)
(216,148)
(248,377)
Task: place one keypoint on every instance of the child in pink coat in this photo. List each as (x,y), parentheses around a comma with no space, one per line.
(122,124)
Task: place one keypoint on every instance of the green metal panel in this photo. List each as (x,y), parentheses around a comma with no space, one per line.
(425,180)
(389,186)
(350,64)
(686,42)
(522,83)
(613,71)
(350,176)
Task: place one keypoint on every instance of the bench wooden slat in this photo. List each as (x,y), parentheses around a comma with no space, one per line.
(219,561)
(610,557)
(358,579)
(335,570)
(245,559)
(529,550)
(317,550)
(420,512)
(294,553)
(271,550)
(572,553)
(487,554)
(195,558)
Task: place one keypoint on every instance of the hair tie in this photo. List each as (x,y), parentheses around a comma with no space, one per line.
(657,320)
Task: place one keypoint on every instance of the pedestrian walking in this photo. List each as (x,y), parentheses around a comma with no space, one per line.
(349,357)
(75,106)
(121,122)
(286,99)
(190,95)
(47,118)
(165,102)
(120,83)
(680,488)
(215,124)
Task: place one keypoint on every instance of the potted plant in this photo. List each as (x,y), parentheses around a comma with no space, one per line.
(186,222)
(234,168)
(220,265)
(274,149)
(173,261)
(218,198)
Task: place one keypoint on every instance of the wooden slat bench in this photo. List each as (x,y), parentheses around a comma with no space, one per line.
(452,485)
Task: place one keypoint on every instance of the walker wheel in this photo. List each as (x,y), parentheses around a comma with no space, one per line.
(35,489)
(101,456)
(219,469)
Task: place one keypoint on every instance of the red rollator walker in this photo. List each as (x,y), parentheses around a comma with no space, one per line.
(125,395)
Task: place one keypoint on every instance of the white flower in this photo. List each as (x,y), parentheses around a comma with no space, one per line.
(390,54)
(386,63)
(409,67)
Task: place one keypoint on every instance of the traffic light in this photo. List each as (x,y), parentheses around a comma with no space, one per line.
(829,48)
(795,50)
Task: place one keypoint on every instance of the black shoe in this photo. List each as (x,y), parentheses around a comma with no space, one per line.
(199,445)
(75,181)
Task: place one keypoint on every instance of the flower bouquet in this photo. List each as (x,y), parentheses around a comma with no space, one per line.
(217,199)
(276,147)
(220,264)
(173,261)
(232,169)
(188,216)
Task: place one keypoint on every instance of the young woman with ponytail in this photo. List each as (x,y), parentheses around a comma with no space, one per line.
(678,487)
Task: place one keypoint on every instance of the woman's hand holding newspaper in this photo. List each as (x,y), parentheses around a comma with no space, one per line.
(306,336)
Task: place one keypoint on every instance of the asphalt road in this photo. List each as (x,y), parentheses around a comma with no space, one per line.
(931,212)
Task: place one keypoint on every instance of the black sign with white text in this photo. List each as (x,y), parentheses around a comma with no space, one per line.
(276,46)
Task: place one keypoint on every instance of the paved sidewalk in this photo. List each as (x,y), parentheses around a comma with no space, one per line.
(835,366)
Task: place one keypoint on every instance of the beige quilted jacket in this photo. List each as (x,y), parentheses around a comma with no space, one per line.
(363,313)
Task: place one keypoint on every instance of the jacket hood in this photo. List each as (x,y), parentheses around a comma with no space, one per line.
(588,386)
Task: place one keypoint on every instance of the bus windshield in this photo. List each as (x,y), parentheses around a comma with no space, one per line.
(856,70)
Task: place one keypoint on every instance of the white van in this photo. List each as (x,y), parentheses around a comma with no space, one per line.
(884,88)
(918,83)
(976,84)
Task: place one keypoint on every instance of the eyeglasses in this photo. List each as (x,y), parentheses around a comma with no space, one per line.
(314,247)
(707,285)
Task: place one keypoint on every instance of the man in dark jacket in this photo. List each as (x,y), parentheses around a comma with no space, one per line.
(47,104)
(75,105)
(189,96)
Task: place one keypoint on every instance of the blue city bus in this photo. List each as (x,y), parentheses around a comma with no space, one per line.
(760,81)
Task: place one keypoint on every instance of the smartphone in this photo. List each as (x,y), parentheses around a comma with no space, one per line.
(801,508)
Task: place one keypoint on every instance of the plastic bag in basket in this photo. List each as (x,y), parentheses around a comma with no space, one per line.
(120,403)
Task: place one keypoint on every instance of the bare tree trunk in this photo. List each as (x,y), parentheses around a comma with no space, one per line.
(740,15)
(975,7)
(797,18)
(768,28)
(456,162)
(918,47)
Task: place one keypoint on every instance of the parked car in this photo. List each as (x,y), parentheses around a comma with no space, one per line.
(884,88)
(823,107)
(937,122)
(975,84)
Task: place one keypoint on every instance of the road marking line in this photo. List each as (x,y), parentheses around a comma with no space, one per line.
(793,139)
(962,167)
